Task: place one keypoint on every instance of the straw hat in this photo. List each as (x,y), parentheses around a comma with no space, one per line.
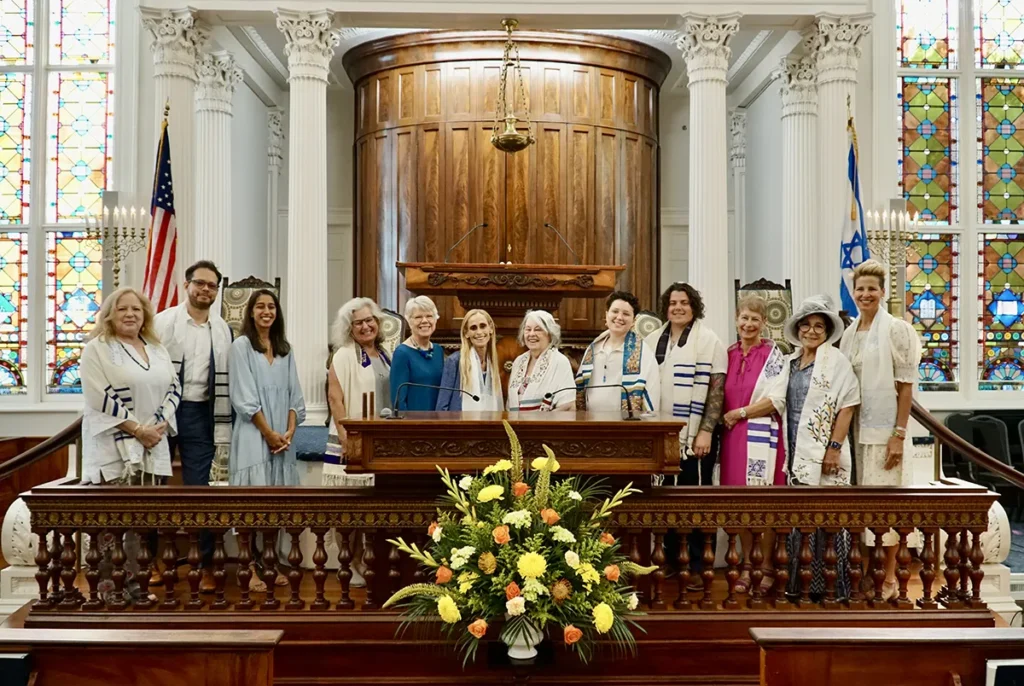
(816,304)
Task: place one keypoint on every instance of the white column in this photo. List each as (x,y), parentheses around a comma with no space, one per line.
(835,47)
(738,162)
(800,173)
(177,39)
(218,76)
(705,46)
(310,46)
(275,156)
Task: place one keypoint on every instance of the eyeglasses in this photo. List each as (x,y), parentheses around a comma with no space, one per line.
(208,285)
(364,322)
(816,328)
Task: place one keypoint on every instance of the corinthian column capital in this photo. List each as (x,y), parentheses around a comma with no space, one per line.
(834,43)
(218,76)
(705,45)
(738,137)
(799,76)
(177,39)
(275,135)
(310,42)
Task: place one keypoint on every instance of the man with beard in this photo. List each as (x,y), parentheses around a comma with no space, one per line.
(198,341)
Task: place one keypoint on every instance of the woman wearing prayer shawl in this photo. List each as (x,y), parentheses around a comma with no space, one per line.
(816,395)
(753,453)
(885,353)
(267,397)
(541,375)
(359,366)
(618,357)
(473,368)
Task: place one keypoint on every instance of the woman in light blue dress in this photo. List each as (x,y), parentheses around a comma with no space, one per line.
(266,397)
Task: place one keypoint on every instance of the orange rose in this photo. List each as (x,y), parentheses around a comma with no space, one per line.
(431,528)
(500,534)
(478,628)
(444,575)
(519,489)
(607,538)
(571,634)
(512,591)
(611,572)
(549,516)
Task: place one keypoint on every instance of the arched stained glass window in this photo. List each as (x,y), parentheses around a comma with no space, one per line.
(998,33)
(81,31)
(931,297)
(73,296)
(926,32)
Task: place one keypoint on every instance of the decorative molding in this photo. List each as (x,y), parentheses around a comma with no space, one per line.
(705,46)
(513,281)
(759,40)
(266,52)
(487,448)
(670,38)
(834,43)
(275,137)
(177,40)
(738,137)
(310,42)
(218,75)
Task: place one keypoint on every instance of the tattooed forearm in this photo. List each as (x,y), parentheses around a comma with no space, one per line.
(714,403)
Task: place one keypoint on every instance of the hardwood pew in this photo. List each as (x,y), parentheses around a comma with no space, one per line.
(873,657)
(91,657)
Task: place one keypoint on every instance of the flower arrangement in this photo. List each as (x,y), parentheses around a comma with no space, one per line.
(514,543)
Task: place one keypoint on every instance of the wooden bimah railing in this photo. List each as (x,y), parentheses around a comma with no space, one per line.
(252,520)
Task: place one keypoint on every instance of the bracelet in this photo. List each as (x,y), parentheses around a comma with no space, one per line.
(899,432)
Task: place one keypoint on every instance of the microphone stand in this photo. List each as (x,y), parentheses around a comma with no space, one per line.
(464,237)
(397,414)
(564,242)
(629,405)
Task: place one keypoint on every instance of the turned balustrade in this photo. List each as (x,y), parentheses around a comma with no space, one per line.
(649,529)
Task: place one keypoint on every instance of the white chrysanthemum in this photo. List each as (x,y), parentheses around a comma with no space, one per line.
(633,601)
(465,482)
(561,534)
(518,518)
(573,495)
(460,556)
(437,534)
(572,559)
(516,606)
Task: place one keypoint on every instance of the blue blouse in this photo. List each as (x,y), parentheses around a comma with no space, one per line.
(417,366)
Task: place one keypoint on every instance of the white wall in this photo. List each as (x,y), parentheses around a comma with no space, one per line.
(248,186)
(764,187)
(340,246)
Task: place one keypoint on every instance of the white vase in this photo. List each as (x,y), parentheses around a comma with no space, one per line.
(524,647)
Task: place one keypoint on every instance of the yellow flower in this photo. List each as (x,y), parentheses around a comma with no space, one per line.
(532,565)
(499,466)
(489,493)
(603,618)
(449,611)
(589,575)
(466,580)
(542,462)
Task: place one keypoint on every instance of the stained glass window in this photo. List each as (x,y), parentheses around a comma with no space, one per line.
(926,31)
(73,293)
(999,33)
(15,119)
(928,154)
(81,31)
(79,144)
(15,32)
(13,306)
(1001,304)
(1001,155)
(932,294)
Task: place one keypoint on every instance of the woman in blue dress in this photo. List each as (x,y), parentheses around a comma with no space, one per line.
(266,396)
(417,360)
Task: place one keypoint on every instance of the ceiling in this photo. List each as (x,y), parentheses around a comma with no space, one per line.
(749,47)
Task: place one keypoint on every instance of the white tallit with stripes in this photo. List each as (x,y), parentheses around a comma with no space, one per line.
(763,432)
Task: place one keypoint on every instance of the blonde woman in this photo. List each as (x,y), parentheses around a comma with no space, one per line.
(885,353)
(417,360)
(474,369)
(131,395)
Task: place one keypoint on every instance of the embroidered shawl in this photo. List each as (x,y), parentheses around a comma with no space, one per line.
(171,326)
(833,388)
(689,369)
(638,370)
(763,432)
(356,376)
(552,372)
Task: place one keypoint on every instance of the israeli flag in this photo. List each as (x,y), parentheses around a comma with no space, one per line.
(854,246)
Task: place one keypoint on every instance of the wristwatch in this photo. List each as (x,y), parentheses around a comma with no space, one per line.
(743,413)
(835,445)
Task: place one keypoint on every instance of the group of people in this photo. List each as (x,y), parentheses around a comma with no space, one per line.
(761,416)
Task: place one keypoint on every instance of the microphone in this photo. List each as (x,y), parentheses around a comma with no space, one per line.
(397,414)
(464,237)
(564,242)
(629,405)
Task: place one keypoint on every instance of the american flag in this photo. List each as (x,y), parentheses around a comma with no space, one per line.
(159,284)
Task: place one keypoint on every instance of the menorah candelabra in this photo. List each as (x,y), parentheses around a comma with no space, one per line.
(121,233)
(889,236)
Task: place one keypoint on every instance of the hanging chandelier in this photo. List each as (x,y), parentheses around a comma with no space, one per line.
(511,139)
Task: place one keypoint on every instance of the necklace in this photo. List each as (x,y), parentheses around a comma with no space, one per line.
(132,357)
